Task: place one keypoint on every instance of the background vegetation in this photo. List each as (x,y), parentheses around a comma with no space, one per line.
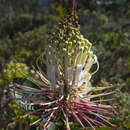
(24,29)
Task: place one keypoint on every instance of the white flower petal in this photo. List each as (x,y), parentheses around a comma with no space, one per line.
(69,75)
(78,73)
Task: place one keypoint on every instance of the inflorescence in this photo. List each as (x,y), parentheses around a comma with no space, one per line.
(62,88)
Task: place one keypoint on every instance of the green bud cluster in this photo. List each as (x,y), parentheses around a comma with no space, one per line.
(68,47)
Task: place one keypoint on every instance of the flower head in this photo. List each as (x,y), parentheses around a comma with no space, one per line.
(62,88)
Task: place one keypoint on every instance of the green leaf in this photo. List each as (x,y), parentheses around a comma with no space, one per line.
(53,127)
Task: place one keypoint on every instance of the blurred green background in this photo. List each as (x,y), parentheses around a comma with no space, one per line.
(25,26)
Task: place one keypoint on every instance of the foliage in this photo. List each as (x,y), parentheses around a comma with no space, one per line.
(24,31)
(31,44)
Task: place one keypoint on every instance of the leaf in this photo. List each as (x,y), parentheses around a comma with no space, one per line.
(16,94)
(53,127)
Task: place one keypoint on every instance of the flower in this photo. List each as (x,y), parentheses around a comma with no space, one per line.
(62,88)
